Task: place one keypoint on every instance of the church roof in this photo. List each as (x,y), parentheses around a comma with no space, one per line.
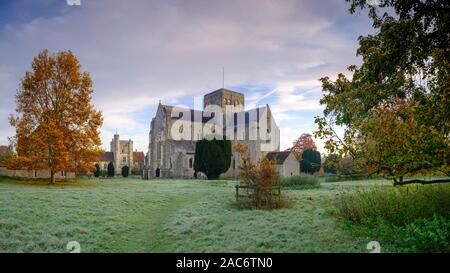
(279,157)
(107,156)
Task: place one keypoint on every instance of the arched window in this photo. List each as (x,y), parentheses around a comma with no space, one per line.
(190,163)
(181,129)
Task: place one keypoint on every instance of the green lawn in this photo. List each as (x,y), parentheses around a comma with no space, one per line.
(132,215)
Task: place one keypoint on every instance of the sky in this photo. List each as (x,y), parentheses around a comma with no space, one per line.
(139,52)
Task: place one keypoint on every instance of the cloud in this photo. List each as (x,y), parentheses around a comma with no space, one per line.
(141,51)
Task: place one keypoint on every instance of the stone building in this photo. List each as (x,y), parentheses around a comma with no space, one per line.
(121,154)
(286,163)
(174,132)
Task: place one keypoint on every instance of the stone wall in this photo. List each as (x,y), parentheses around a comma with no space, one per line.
(35,174)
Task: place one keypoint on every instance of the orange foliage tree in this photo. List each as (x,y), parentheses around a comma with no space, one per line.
(57,127)
(263,173)
(304,142)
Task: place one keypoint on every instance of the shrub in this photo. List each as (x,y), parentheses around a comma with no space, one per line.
(399,205)
(310,162)
(212,157)
(302,181)
(97,170)
(259,181)
(414,218)
(125,171)
(111,170)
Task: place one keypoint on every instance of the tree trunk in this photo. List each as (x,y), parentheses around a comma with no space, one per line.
(52,177)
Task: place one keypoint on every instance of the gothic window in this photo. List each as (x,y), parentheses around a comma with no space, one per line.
(234,163)
(35,173)
(190,163)
(181,129)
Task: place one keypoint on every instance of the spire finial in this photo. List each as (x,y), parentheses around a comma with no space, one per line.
(223,77)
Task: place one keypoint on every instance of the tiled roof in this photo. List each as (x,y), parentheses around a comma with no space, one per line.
(107,156)
(138,156)
(279,157)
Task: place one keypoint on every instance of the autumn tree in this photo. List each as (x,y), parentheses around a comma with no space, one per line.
(259,177)
(303,143)
(57,127)
(262,173)
(395,108)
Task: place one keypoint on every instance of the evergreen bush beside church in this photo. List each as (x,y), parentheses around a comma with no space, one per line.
(125,171)
(212,157)
(111,169)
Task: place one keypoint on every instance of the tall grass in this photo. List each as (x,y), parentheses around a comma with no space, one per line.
(413,218)
(302,181)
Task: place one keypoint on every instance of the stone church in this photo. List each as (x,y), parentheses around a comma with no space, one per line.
(175,130)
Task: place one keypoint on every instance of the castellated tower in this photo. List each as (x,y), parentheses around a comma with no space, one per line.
(115,148)
(123,153)
(130,154)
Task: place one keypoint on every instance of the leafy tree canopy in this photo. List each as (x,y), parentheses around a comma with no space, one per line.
(304,142)
(57,127)
(395,108)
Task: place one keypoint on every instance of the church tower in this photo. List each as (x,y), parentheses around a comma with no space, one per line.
(223,98)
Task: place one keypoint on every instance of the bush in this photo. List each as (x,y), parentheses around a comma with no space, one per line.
(399,205)
(212,157)
(302,181)
(258,180)
(111,170)
(421,235)
(125,171)
(414,218)
(97,170)
(310,162)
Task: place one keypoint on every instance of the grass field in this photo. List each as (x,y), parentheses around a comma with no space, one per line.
(132,215)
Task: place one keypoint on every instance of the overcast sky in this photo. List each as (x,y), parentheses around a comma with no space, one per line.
(139,52)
